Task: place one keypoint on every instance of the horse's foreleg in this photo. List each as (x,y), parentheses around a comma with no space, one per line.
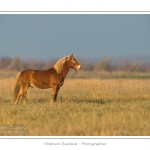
(55,90)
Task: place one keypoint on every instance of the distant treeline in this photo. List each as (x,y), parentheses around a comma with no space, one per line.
(103,64)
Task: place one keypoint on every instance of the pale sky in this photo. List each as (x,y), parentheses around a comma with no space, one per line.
(46,36)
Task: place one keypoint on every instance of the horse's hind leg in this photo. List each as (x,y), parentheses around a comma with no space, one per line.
(18,96)
(24,92)
(24,96)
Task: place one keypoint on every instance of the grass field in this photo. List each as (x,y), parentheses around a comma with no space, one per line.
(87,106)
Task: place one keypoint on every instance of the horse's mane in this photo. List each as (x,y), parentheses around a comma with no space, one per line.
(59,64)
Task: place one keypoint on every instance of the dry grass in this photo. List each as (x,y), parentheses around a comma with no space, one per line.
(84,107)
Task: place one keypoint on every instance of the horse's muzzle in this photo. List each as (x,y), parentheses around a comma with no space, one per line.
(78,67)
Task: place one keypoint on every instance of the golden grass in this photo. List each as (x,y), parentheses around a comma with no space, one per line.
(84,107)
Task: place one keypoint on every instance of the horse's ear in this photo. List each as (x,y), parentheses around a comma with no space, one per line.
(71,56)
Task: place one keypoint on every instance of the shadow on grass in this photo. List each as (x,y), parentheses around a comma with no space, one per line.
(41,100)
(94,101)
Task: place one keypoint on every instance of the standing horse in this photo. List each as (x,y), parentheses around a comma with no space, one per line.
(51,78)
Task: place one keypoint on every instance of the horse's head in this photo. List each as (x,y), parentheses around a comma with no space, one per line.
(73,63)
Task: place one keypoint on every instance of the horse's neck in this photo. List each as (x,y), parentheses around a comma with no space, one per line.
(65,70)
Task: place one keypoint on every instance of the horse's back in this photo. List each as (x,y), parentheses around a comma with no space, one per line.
(27,72)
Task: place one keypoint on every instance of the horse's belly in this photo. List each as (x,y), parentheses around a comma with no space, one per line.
(33,86)
(38,85)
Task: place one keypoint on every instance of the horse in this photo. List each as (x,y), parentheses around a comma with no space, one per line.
(51,78)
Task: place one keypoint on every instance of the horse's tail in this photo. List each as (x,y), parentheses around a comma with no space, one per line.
(17,87)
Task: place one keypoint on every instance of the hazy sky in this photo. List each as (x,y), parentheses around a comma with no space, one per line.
(90,36)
